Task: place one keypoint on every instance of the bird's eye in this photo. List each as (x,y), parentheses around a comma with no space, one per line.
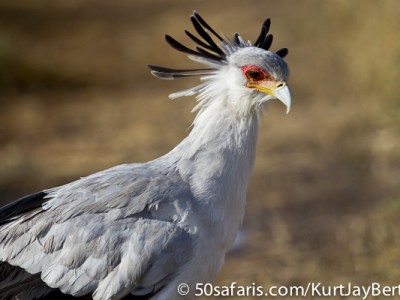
(255,75)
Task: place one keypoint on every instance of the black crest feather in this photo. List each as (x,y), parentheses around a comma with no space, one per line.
(208,43)
(282,52)
(264,31)
(208,49)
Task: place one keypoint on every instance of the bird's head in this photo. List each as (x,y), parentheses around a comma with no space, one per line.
(242,68)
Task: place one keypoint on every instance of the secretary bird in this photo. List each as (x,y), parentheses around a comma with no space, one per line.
(141,229)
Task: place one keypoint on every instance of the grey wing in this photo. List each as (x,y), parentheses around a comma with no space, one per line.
(103,234)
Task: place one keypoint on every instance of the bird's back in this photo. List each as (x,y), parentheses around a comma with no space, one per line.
(99,233)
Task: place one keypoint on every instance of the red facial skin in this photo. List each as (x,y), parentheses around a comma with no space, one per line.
(256,74)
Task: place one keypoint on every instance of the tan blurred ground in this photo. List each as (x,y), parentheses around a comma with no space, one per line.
(324,202)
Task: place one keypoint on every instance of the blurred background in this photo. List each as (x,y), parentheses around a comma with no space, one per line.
(76,97)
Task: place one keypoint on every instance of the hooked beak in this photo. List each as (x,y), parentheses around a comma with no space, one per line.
(279,91)
(283,94)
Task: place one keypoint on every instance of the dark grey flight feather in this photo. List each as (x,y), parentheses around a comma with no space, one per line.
(21,206)
(32,284)
(208,50)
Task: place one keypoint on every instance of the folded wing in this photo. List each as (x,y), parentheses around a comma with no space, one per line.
(102,234)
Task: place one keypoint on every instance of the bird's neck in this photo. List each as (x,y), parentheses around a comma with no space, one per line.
(216,159)
(225,123)
(219,128)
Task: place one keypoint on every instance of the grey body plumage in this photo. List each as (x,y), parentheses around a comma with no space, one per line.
(141,229)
